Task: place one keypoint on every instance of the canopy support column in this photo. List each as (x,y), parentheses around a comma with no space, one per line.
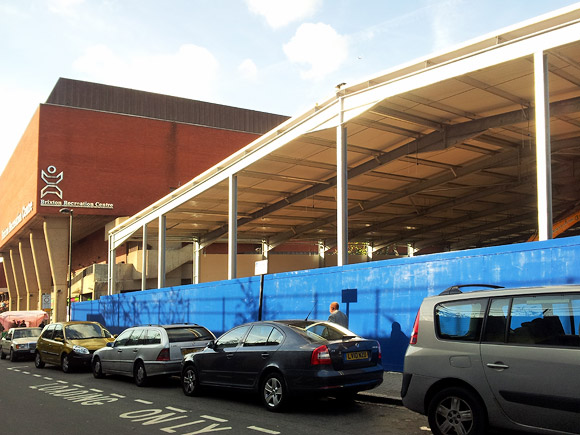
(543,146)
(195,272)
(233,227)
(161,252)
(341,190)
(144,259)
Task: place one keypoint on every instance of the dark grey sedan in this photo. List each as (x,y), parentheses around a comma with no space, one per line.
(283,358)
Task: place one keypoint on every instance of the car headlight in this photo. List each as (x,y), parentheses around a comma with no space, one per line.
(80,349)
(21,346)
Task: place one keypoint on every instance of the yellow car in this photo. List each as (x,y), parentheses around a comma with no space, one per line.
(70,344)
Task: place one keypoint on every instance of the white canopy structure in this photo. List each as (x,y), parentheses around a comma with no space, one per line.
(477,146)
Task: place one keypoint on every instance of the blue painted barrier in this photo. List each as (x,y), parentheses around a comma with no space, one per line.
(388,293)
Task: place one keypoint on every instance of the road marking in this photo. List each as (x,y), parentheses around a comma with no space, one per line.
(62,382)
(209,417)
(261,429)
(47,378)
(117,395)
(171,408)
(26,373)
(145,402)
(78,386)
(96,391)
(37,375)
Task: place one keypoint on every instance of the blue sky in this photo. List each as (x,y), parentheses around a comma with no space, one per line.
(279,56)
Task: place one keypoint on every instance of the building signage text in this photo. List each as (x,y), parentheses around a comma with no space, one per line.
(52,180)
(26,210)
(75,204)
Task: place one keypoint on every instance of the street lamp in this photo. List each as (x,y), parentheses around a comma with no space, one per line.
(69,211)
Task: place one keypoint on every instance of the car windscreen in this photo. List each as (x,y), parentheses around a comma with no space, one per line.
(189,333)
(23,333)
(85,331)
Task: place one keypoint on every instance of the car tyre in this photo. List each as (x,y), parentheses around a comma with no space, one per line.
(2,355)
(456,410)
(273,392)
(38,363)
(65,363)
(12,355)
(140,374)
(190,381)
(97,368)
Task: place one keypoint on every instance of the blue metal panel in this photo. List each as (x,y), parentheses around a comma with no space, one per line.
(389,292)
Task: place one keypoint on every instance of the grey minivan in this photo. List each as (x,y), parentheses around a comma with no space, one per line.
(152,350)
(505,358)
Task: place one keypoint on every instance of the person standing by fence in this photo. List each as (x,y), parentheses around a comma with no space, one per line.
(337,316)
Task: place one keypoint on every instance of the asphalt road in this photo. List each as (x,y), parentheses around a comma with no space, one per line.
(49,401)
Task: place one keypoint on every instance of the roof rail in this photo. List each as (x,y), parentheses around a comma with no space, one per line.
(456,289)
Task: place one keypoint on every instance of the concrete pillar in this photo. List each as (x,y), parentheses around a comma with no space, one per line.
(41,264)
(18,279)
(32,301)
(9,274)
(56,236)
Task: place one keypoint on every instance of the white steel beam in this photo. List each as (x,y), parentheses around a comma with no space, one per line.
(341,191)
(161,252)
(543,151)
(144,259)
(233,227)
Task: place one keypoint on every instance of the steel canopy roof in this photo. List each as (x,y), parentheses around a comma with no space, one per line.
(441,154)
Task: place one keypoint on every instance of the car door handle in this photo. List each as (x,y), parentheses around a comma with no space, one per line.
(265,355)
(229,355)
(135,350)
(497,365)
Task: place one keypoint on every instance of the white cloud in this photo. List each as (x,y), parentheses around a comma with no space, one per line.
(319,47)
(248,69)
(64,7)
(191,72)
(443,13)
(279,13)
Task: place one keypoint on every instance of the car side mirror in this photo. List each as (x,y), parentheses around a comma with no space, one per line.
(110,344)
(211,344)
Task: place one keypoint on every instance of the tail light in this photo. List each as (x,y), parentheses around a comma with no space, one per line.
(163,355)
(415,333)
(320,355)
(380,352)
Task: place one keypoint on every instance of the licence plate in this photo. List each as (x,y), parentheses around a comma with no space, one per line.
(353,356)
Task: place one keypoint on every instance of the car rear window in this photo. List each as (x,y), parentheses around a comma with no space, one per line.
(460,320)
(190,333)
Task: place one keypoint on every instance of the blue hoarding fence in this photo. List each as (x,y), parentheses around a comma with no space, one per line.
(382,297)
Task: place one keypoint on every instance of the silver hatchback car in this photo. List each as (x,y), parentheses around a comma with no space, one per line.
(504,358)
(152,350)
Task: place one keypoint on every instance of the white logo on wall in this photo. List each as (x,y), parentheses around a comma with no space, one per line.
(51,181)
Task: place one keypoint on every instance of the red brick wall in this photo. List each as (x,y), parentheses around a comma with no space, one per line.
(91,249)
(18,181)
(125,160)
